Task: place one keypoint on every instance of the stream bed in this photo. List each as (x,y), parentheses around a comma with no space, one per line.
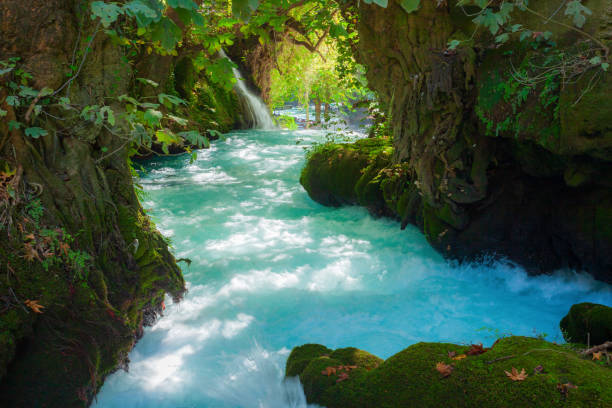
(272,270)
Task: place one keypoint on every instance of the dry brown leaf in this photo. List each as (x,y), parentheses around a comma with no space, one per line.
(564,388)
(444,369)
(329,371)
(34,305)
(516,376)
(476,349)
(597,356)
(459,357)
(342,377)
(451,354)
(63,248)
(30,253)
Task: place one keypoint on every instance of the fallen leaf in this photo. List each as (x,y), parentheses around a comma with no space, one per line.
(329,371)
(476,349)
(444,369)
(515,375)
(30,253)
(342,377)
(564,388)
(459,357)
(34,305)
(597,356)
(64,247)
(451,354)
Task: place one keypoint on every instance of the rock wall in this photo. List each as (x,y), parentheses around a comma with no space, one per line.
(527,180)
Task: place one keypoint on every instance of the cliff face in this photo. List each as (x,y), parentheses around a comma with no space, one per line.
(74,237)
(489,163)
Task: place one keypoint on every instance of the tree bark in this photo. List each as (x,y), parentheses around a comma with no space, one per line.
(92,316)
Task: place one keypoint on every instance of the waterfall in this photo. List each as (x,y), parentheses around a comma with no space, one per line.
(254,106)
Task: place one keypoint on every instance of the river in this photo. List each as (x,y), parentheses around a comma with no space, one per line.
(272,270)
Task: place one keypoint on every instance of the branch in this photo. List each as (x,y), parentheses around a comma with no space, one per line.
(601,347)
(304,44)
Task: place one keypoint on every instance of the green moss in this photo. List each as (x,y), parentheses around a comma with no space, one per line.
(433,226)
(184,78)
(302,355)
(354,356)
(338,174)
(409,378)
(586,319)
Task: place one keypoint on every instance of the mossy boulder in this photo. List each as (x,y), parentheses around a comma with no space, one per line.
(337,174)
(410,379)
(587,322)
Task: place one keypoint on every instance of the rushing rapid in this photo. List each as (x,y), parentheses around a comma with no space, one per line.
(271,269)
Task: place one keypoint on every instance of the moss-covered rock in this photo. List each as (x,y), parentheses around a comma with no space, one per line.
(410,379)
(587,322)
(337,174)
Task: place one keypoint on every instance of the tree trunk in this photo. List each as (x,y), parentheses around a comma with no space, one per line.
(326,113)
(317,111)
(307,111)
(79,172)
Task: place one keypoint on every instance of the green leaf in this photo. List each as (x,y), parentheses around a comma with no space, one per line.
(110,116)
(153,117)
(502,38)
(6,70)
(3,113)
(605,66)
(165,99)
(14,125)
(595,60)
(148,105)
(578,12)
(35,132)
(167,33)
(28,92)
(453,44)
(410,5)
(185,4)
(337,30)
(195,138)
(143,14)
(215,133)
(107,12)
(148,82)
(180,121)
(244,8)
(166,138)
(525,34)
(89,112)
(128,99)
(381,3)
(12,100)
(505,9)
(516,27)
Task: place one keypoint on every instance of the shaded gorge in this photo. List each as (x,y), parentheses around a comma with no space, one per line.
(271,269)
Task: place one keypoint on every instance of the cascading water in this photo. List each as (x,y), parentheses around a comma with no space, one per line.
(256,109)
(271,269)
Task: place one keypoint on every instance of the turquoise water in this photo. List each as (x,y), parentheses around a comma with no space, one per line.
(272,269)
